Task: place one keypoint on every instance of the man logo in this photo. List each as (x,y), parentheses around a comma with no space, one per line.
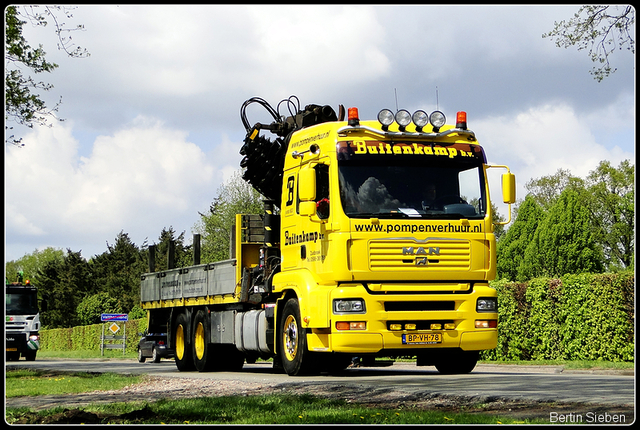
(410,250)
(420,261)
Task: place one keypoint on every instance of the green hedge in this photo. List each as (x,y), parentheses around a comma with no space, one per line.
(576,317)
(87,338)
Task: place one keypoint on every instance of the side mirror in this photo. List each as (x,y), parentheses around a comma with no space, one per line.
(509,188)
(307,208)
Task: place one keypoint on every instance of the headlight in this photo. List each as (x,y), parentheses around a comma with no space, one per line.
(437,119)
(385,116)
(341,306)
(487,304)
(403,117)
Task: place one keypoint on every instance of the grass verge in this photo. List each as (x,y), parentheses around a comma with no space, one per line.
(267,409)
(26,382)
(263,409)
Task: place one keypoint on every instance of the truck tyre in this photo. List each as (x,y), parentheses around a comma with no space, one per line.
(30,355)
(458,363)
(292,341)
(203,354)
(182,344)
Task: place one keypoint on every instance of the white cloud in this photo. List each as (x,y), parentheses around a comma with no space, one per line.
(543,139)
(140,179)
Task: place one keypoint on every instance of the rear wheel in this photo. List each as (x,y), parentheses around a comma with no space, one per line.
(202,349)
(181,336)
(292,340)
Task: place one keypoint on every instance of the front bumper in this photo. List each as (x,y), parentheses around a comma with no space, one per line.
(20,342)
(387,317)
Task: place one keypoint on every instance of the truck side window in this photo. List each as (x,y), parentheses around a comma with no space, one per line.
(322,191)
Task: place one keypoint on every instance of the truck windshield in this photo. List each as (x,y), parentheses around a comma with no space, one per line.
(411,180)
(21,303)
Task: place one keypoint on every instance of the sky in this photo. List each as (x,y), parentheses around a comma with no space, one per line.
(152,125)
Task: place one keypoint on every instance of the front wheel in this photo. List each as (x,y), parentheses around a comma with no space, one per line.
(141,357)
(292,341)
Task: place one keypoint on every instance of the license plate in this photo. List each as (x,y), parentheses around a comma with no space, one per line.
(421,339)
(12,349)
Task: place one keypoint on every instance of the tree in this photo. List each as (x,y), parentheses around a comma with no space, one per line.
(30,263)
(183,255)
(117,272)
(564,241)
(612,206)
(64,284)
(547,189)
(91,308)
(512,246)
(601,29)
(233,197)
(23,103)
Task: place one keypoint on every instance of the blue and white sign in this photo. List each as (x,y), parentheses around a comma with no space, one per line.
(114,317)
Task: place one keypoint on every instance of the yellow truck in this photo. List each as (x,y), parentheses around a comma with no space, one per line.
(377,241)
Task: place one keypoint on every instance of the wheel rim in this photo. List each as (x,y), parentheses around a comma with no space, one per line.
(180,342)
(199,341)
(290,338)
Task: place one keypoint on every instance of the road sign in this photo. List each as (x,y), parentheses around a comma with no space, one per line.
(114,328)
(114,317)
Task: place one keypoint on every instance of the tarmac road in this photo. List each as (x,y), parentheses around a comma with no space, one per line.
(539,383)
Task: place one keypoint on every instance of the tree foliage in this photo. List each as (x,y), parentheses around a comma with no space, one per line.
(233,197)
(578,226)
(515,241)
(23,102)
(547,189)
(30,263)
(91,308)
(613,210)
(564,242)
(64,284)
(601,30)
(118,271)
(183,255)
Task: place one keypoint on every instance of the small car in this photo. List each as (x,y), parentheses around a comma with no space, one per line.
(154,346)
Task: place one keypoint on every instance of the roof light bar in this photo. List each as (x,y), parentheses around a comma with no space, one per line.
(419,118)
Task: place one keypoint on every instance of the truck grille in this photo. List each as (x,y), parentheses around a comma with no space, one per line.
(412,256)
